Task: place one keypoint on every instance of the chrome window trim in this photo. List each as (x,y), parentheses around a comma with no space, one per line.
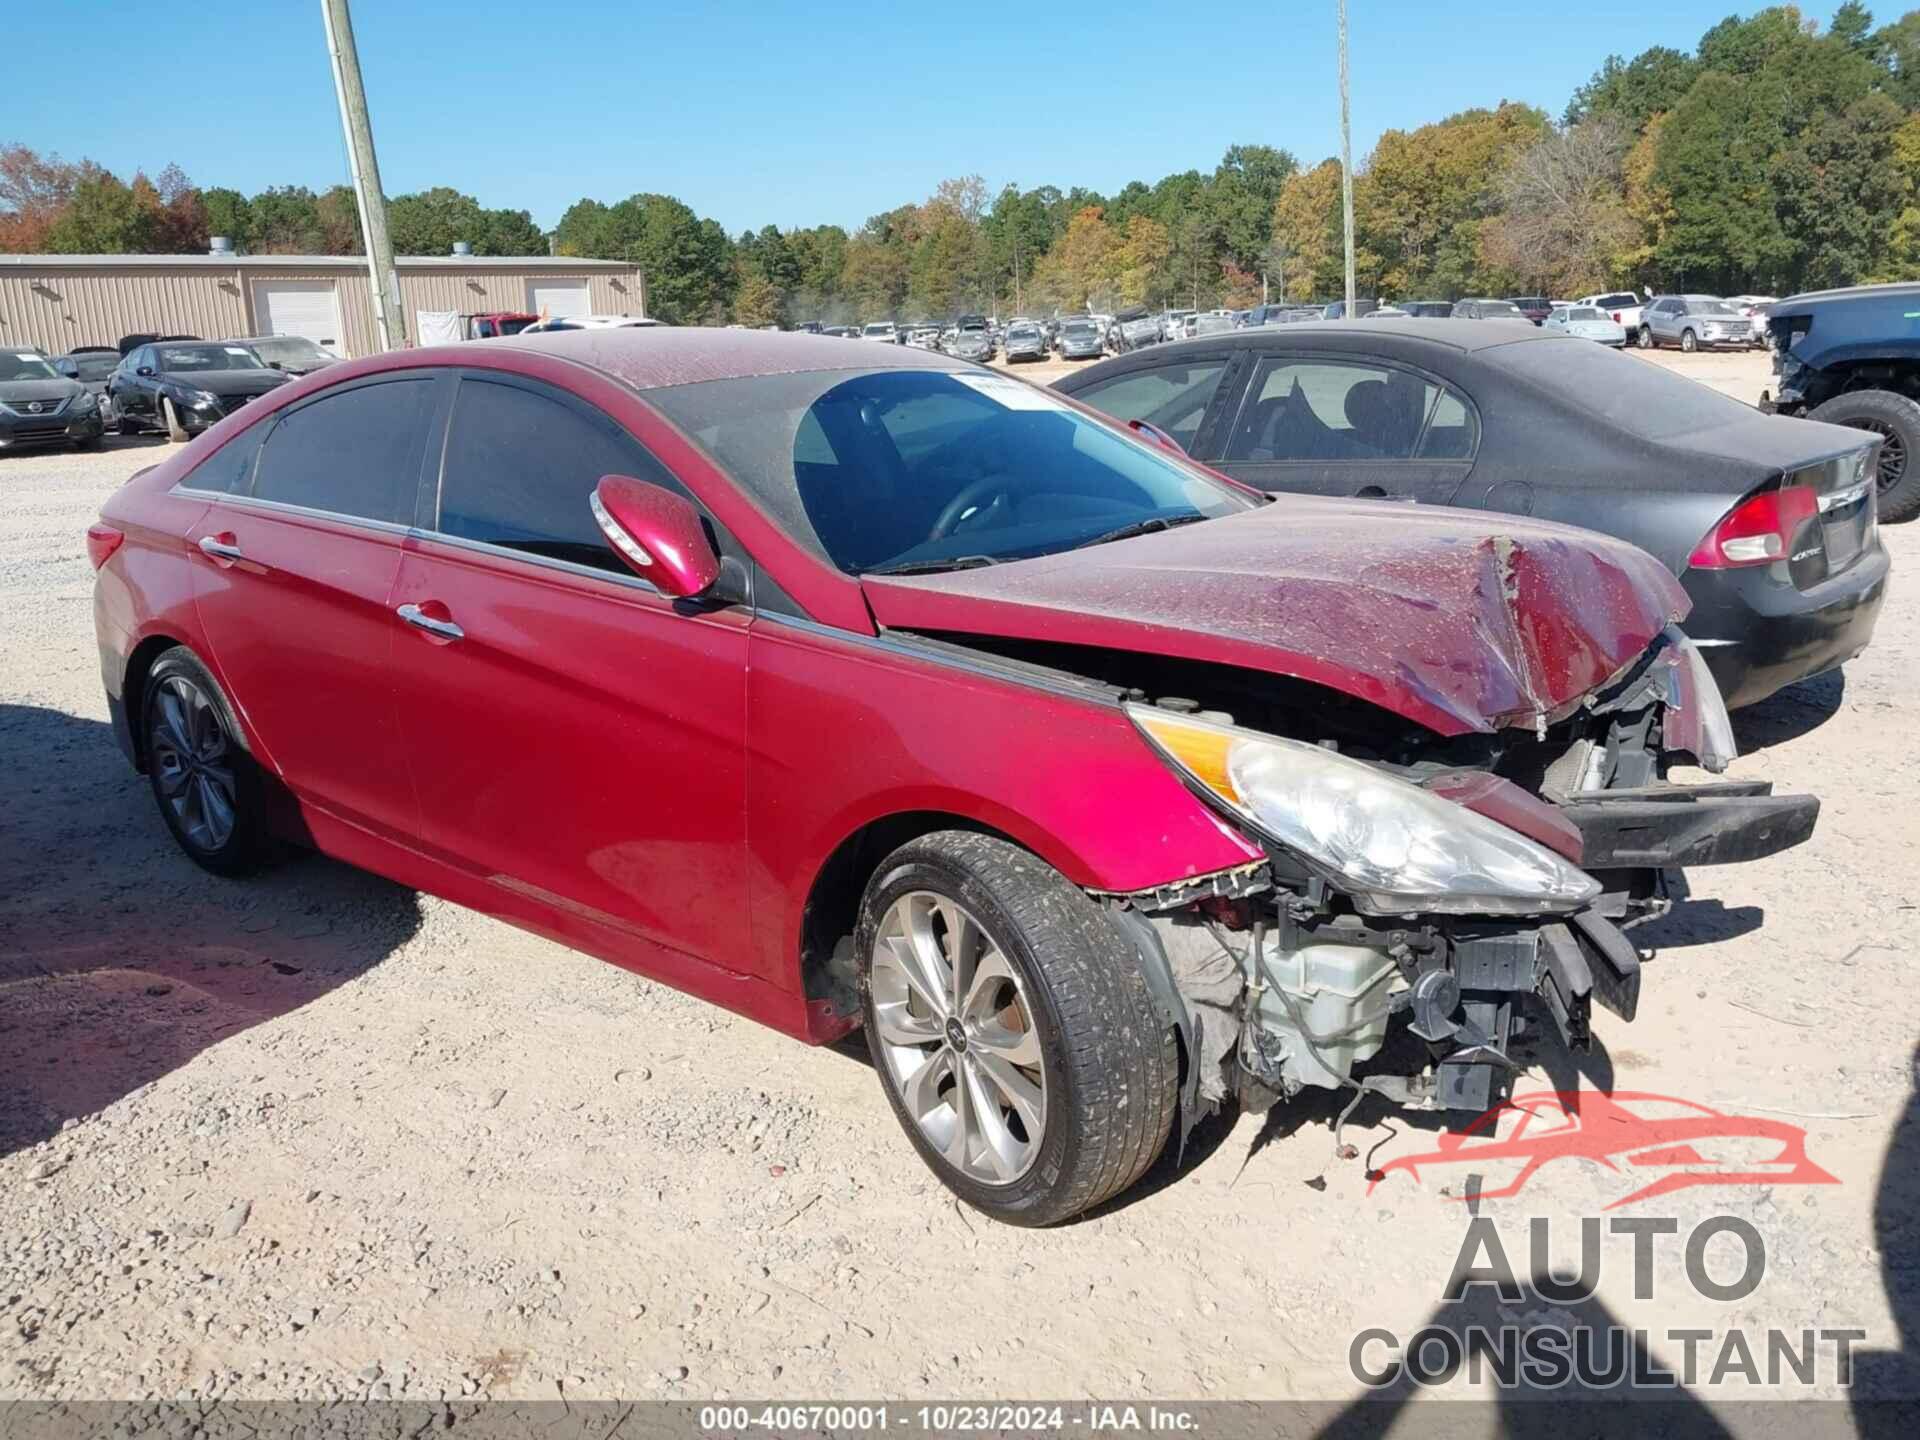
(386,527)
(545,562)
(286,507)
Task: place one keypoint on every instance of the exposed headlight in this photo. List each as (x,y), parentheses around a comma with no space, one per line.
(1395,847)
(83,402)
(201,399)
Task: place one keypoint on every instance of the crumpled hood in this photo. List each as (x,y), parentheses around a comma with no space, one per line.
(1457,620)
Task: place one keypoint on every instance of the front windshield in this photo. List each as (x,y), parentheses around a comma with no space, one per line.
(1497,310)
(879,329)
(926,469)
(194,358)
(25,365)
(94,367)
(1713,307)
(289,349)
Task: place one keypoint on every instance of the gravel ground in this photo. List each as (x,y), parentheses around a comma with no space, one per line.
(315,1135)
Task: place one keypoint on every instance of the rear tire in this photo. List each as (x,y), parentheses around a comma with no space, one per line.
(1896,420)
(209,790)
(1064,1067)
(1646,338)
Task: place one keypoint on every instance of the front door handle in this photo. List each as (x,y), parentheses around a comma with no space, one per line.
(221,547)
(420,620)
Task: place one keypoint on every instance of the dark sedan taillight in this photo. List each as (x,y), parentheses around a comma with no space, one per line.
(1757,531)
(102,541)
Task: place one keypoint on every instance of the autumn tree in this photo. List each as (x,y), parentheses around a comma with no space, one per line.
(1307,223)
(1563,219)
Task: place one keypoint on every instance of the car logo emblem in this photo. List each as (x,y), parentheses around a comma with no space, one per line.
(35,408)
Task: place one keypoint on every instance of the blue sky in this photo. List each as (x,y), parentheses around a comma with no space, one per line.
(758,113)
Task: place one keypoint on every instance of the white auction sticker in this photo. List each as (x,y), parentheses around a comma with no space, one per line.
(1013,394)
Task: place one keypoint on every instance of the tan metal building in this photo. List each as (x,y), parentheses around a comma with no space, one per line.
(56,302)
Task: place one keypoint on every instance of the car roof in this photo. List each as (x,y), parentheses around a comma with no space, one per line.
(1463,335)
(649,358)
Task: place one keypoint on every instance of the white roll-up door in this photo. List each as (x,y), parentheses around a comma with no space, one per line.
(554,298)
(300,307)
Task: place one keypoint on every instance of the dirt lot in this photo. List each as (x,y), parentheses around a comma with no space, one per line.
(315,1135)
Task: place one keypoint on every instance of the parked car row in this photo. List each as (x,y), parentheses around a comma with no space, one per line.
(72,398)
(1316,768)
(1771,530)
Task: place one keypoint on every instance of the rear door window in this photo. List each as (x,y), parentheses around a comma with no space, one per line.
(1318,411)
(520,464)
(1171,397)
(352,452)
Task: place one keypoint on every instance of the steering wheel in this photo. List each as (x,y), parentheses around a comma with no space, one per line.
(970,495)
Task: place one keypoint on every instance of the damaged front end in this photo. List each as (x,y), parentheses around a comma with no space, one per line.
(1457,889)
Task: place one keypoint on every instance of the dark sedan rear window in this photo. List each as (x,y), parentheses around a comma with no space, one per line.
(1645,400)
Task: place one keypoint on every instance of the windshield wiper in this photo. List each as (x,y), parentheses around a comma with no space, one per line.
(933,567)
(1141,527)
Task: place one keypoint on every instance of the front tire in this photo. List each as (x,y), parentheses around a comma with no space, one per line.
(1012,1029)
(205,781)
(1896,420)
(1689,342)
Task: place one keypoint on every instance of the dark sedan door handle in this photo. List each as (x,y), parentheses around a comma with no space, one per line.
(221,547)
(419,619)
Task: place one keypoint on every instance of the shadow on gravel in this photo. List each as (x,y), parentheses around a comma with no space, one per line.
(1882,1373)
(120,959)
(1790,713)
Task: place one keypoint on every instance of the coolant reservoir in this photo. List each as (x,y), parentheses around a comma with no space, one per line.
(1340,991)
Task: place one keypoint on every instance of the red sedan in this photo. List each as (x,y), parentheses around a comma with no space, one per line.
(846,688)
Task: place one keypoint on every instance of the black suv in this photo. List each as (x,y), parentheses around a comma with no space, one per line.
(1852,357)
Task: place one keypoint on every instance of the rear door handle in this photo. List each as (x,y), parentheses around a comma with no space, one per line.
(221,547)
(420,620)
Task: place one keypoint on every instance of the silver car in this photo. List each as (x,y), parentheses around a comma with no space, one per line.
(1026,342)
(1080,340)
(1585,322)
(1694,321)
(971,343)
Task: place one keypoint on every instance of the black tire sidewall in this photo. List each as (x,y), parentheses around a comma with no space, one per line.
(247,846)
(1028,1199)
(1901,502)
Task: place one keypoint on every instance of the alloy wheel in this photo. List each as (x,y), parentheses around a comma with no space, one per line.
(1893,457)
(956,1033)
(192,763)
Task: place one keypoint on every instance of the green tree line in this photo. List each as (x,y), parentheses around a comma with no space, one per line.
(1775,156)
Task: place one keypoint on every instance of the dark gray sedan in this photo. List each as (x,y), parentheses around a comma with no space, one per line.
(1769,523)
(40,406)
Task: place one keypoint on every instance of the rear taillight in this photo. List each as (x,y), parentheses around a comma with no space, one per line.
(1757,531)
(102,541)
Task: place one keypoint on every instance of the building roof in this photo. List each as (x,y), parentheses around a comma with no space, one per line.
(647,358)
(550,263)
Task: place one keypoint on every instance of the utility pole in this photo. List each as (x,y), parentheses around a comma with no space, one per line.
(1346,159)
(390,321)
